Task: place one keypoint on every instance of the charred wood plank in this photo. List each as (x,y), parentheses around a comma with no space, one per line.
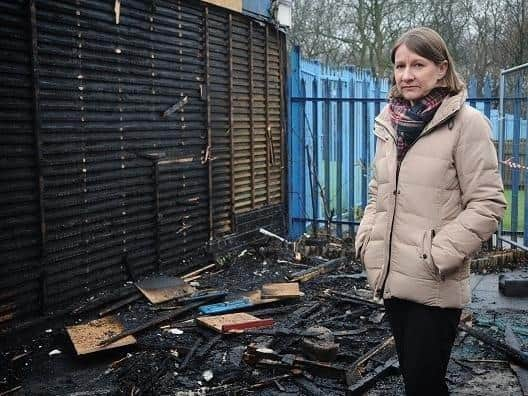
(284,332)
(190,354)
(203,295)
(126,301)
(272,311)
(366,382)
(104,300)
(353,298)
(207,347)
(514,354)
(255,355)
(520,372)
(236,389)
(153,322)
(309,387)
(198,271)
(306,275)
(348,315)
(386,343)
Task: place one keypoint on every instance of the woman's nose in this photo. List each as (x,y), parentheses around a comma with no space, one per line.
(407,75)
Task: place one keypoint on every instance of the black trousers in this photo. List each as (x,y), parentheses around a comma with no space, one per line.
(424,337)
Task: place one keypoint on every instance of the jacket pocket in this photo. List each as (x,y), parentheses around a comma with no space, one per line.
(427,259)
(364,248)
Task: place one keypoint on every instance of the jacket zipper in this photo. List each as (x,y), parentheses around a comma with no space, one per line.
(382,289)
(395,192)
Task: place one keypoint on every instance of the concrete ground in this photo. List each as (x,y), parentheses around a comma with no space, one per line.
(486,295)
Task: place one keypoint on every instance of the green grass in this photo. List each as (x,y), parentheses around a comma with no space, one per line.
(506,223)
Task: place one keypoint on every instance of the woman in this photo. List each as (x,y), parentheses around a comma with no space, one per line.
(436,195)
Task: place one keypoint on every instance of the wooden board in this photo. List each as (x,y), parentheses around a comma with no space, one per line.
(256,297)
(232,320)
(235,5)
(159,289)
(281,290)
(87,337)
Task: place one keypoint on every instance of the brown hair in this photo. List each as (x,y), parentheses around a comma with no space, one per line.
(428,44)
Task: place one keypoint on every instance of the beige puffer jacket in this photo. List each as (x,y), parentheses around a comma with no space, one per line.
(422,223)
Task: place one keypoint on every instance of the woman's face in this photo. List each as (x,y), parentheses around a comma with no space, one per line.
(415,75)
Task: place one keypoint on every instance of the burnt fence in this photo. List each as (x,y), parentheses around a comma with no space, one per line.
(131,141)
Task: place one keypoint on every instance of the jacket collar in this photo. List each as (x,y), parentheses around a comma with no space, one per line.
(450,105)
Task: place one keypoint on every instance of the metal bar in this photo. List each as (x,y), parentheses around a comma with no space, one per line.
(326,147)
(515,179)
(313,187)
(315,155)
(509,241)
(365,150)
(269,147)
(324,99)
(38,151)
(231,124)
(294,143)
(209,129)
(501,149)
(285,107)
(251,120)
(351,156)
(339,160)
(525,222)
(305,219)
(503,72)
(299,172)
(335,99)
(487,93)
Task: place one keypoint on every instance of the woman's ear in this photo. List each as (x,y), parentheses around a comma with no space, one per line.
(442,70)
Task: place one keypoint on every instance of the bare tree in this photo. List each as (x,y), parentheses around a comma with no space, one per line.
(483,35)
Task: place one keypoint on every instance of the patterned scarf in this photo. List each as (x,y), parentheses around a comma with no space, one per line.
(409,121)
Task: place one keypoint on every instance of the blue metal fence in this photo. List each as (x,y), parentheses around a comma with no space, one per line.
(331,145)
(513,149)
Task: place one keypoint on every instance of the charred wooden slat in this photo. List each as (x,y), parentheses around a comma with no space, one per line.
(359,387)
(352,298)
(304,276)
(190,354)
(207,347)
(254,354)
(153,322)
(105,299)
(514,354)
(309,387)
(119,304)
(521,372)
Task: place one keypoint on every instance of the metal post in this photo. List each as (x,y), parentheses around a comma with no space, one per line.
(516,158)
(351,156)
(501,147)
(315,157)
(366,149)
(295,145)
(339,159)
(326,146)
(285,108)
